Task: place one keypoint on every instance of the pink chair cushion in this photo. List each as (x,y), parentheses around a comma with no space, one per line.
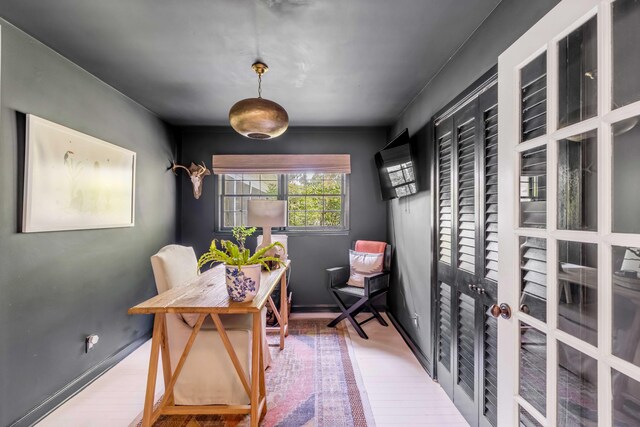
(370,246)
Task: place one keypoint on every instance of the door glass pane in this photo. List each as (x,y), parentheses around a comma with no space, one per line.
(626,303)
(626,400)
(578,182)
(533,98)
(577,388)
(533,188)
(533,277)
(626,176)
(533,367)
(527,420)
(626,52)
(578,75)
(578,290)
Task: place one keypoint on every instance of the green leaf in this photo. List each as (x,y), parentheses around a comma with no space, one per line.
(230,254)
(259,255)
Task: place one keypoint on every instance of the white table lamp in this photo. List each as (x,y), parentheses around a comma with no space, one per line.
(267,214)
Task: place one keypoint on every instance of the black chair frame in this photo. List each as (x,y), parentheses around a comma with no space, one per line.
(375,287)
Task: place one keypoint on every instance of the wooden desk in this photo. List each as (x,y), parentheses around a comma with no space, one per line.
(207,295)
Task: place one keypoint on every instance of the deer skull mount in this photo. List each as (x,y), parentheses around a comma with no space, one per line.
(196,173)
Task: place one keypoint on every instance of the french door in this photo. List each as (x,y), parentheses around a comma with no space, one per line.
(569,219)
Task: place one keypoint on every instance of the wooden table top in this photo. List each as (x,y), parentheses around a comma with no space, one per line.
(207,293)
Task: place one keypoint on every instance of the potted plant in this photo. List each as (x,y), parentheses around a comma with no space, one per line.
(240,233)
(242,270)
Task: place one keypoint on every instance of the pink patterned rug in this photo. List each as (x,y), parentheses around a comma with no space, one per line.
(311,382)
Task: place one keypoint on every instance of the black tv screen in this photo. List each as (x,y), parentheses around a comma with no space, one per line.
(396,168)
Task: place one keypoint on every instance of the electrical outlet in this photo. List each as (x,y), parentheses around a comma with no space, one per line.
(89,342)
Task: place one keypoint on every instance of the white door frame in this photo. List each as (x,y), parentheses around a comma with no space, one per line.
(543,37)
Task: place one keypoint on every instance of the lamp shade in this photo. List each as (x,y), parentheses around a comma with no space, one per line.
(258,118)
(267,213)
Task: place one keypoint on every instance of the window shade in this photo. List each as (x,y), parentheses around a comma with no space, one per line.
(281,163)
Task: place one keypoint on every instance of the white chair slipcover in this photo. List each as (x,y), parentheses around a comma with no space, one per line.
(208,376)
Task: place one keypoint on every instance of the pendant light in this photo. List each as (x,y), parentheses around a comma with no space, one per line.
(258,118)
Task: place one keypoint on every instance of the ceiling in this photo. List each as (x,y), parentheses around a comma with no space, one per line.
(332,62)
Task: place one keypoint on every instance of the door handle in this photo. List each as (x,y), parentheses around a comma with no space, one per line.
(503,310)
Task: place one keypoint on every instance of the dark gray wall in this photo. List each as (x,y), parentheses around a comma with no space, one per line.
(410,218)
(311,254)
(58,287)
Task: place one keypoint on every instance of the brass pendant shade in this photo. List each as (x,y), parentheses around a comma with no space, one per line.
(258,118)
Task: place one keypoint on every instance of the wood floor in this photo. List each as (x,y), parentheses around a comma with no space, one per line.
(399,391)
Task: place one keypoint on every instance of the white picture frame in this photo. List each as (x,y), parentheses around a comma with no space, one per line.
(74,181)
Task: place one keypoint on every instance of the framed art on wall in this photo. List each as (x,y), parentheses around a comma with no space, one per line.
(74,181)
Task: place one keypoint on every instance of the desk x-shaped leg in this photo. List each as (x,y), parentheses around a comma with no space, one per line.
(282,316)
(256,391)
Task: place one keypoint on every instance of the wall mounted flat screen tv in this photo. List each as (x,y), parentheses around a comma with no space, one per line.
(396,168)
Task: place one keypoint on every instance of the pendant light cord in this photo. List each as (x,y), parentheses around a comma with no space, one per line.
(259,85)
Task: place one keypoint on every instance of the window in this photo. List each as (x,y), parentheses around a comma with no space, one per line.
(402,179)
(238,189)
(316,201)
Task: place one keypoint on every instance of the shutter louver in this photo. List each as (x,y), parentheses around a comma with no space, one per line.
(533,79)
(490,345)
(491,192)
(444,220)
(466,339)
(445,332)
(466,196)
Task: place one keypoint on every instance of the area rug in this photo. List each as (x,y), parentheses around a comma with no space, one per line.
(312,382)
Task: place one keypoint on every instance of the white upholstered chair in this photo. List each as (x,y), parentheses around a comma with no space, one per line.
(208,376)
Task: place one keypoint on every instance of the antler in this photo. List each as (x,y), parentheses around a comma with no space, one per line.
(176,166)
(202,170)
